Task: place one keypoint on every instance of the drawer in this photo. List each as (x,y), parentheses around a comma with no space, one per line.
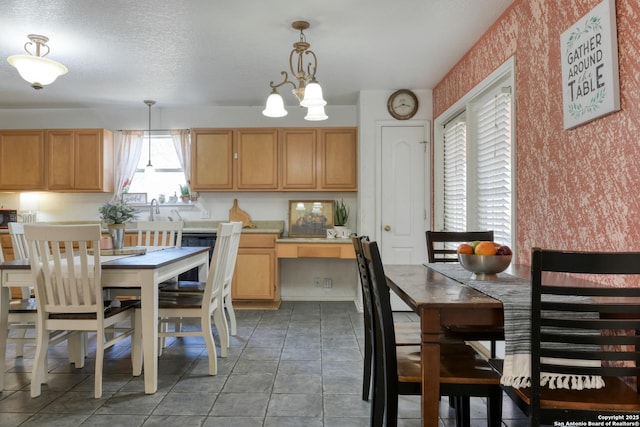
(258,240)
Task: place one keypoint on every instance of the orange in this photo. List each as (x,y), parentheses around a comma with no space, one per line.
(465,249)
(486,249)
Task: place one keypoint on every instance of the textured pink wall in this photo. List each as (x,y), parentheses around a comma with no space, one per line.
(576,189)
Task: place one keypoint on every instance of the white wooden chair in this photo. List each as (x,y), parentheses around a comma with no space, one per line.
(69,297)
(187,287)
(159,233)
(202,306)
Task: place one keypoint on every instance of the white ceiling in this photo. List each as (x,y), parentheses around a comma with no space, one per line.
(225,53)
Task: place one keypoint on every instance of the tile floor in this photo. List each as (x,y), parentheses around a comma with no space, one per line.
(298,366)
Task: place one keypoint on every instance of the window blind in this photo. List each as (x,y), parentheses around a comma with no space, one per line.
(493,165)
(455,174)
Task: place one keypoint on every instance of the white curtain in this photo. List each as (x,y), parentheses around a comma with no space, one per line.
(128,150)
(182,142)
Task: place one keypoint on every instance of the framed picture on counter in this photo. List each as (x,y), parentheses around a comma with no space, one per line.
(135,198)
(310,218)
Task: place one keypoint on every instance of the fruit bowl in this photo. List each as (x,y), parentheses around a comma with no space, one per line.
(484,267)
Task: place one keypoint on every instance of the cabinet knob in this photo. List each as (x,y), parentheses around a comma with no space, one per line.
(387,228)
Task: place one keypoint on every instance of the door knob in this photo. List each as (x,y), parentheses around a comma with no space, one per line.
(387,228)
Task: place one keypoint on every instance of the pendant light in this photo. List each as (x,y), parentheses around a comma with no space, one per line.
(149,169)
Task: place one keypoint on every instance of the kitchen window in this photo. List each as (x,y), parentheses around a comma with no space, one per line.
(474,168)
(167,175)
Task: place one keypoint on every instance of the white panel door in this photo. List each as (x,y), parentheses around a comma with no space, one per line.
(404,187)
(404,194)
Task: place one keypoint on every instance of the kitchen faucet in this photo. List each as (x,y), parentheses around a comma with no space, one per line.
(151,209)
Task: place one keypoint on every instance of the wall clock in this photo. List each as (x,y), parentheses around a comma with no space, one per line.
(402,104)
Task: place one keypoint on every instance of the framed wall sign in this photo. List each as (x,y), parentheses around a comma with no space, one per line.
(310,218)
(589,56)
(135,198)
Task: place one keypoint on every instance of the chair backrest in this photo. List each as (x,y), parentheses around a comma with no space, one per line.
(160,233)
(439,251)
(218,266)
(18,241)
(65,265)
(579,320)
(236,233)
(363,271)
(384,330)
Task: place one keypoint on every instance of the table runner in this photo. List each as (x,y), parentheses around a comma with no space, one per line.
(515,295)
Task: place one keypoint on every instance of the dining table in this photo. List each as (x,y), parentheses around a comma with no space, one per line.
(441,300)
(142,272)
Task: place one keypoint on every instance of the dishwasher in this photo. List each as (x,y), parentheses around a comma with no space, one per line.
(197,239)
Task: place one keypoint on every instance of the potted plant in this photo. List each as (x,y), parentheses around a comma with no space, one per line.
(184,193)
(340,217)
(116,214)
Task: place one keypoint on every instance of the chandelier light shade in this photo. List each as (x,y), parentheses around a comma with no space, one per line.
(149,169)
(306,88)
(35,68)
(275,105)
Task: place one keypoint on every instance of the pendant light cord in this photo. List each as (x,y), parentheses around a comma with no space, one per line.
(149,103)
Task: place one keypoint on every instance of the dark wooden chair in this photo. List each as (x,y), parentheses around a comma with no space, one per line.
(407,333)
(463,373)
(608,321)
(438,251)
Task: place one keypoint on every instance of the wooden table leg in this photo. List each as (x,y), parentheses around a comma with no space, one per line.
(149,302)
(430,360)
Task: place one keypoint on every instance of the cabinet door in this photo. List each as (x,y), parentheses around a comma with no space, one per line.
(254,276)
(299,162)
(211,159)
(22,160)
(93,164)
(257,159)
(80,160)
(339,159)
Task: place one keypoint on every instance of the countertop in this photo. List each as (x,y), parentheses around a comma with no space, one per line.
(194,226)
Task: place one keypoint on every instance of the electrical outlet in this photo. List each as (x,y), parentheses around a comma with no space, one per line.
(204,214)
(317,282)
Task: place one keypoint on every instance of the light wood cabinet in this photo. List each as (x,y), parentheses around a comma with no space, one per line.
(80,160)
(255,276)
(338,159)
(22,160)
(211,159)
(256,157)
(274,159)
(322,159)
(299,161)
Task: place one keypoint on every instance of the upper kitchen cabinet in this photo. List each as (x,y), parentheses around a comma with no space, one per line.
(22,160)
(256,158)
(338,159)
(80,160)
(299,162)
(234,160)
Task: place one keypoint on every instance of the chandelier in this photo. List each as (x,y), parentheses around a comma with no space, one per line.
(308,90)
(35,68)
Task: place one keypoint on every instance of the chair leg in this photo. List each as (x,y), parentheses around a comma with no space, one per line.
(232,315)
(463,411)
(220,321)
(99,364)
(493,349)
(39,370)
(494,408)
(205,324)
(366,376)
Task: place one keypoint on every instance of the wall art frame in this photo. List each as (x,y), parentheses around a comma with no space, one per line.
(589,61)
(310,218)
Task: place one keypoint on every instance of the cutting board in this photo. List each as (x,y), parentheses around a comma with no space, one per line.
(237,214)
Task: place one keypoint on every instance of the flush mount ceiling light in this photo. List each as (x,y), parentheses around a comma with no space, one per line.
(149,168)
(35,68)
(308,90)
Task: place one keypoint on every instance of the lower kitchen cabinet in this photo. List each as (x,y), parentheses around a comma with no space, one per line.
(255,282)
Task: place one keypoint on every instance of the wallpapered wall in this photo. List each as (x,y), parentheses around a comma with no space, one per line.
(576,189)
